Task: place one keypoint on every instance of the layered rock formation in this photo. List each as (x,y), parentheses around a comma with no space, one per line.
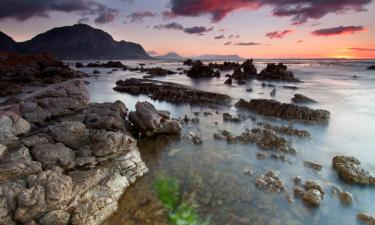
(284,110)
(171,92)
(350,170)
(276,72)
(18,70)
(72,166)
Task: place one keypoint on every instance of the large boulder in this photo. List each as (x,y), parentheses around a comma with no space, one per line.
(199,70)
(72,134)
(51,155)
(55,100)
(277,72)
(11,125)
(150,121)
(284,110)
(350,170)
(249,68)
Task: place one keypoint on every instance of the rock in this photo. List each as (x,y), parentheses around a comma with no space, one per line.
(261,155)
(217,74)
(298,98)
(150,121)
(290,87)
(54,155)
(288,130)
(79,65)
(231,118)
(158,72)
(107,143)
(56,217)
(312,197)
(109,64)
(273,92)
(270,182)
(199,70)
(367,219)
(277,72)
(313,185)
(313,165)
(36,139)
(3,148)
(249,68)
(219,136)
(229,81)
(188,62)
(72,134)
(238,74)
(298,192)
(346,198)
(17,163)
(249,90)
(96,72)
(297,180)
(241,82)
(284,110)
(11,125)
(109,116)
(226,66)
(195,139)
(55,100)
(17,70)
(371,68)
(350,170)
(170,92)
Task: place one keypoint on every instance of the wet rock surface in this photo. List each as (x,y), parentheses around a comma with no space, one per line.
(284,110)
(18,70)
(366,219)
(277,72)
(171,92)
(71,165)
(298,98)
(349,169)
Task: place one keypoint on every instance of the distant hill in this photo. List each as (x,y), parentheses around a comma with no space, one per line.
(79,41)
(7,43)
(170,56)
(219,57)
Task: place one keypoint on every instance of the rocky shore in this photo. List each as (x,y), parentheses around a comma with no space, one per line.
(62,160)
(170,92)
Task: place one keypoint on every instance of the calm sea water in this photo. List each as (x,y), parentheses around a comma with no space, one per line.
(212,175)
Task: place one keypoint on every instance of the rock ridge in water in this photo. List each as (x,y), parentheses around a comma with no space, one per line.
(170,92)
(74,163)
(284,110)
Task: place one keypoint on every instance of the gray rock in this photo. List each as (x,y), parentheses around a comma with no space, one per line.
(72,134)
(150,121)
(108,143)
(36,139)
(55,100)
(312,197)
(11,125)
(54,155)
(350,170)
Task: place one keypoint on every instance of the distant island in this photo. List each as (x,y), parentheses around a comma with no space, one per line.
(76,42)
(176,56)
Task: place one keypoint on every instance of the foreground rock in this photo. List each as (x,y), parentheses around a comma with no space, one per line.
(366,219)
(150,121)
(72,166)
(171,92)
(350,170)
(18,70)
(284,110)
(371,68)
(199,70)
(277,72)
(55,100)
(298,98)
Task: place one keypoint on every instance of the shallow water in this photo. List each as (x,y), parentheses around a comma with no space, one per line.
(212,175)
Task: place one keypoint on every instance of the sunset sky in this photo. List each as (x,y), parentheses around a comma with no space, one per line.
(249,28)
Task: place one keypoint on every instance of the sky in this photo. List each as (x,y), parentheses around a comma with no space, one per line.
(248,28)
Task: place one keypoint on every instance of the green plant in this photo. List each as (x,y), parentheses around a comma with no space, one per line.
(179,212)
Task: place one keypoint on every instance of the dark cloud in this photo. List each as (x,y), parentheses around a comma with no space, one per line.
(278,34)
(25,9)
(138,17)
(362,49)
(247,44)
(228,43)
(169,26)
(299,10)
(197,30)
(338,30)
(219,37)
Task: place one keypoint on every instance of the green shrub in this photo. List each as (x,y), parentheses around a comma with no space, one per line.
(179,212)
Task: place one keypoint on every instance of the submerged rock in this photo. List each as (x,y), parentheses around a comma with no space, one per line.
(367,219)
(346,197)
(284,110)
(171,92)
(277,72)
(298,98)
(55,100)
(313,165)
(350,170)
(150,121)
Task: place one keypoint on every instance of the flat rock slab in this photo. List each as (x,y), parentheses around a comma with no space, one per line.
(284,110)
(170,92)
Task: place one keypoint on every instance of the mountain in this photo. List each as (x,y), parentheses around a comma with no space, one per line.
(219,57)
(170,56)
(81,41)
(7,43)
